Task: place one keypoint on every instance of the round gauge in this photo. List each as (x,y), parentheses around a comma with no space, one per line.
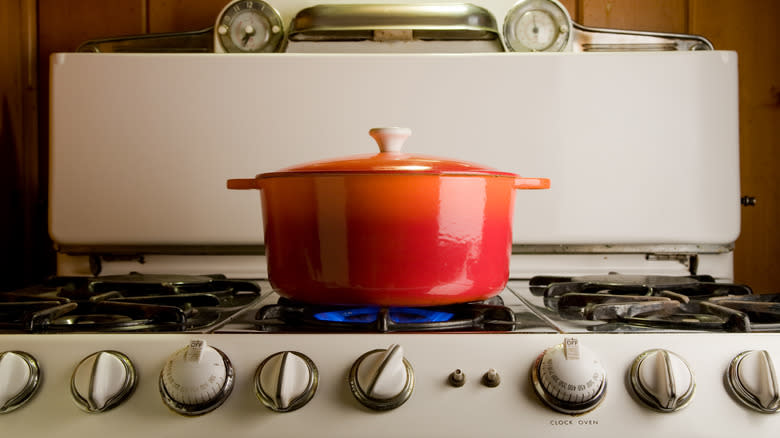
(537,26)
(249,27)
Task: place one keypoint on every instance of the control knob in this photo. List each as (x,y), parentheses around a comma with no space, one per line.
(286,381)
(569,378)
(662,380)
(19,379)
(196,379)
(382,379)
(102,381)
(752,378)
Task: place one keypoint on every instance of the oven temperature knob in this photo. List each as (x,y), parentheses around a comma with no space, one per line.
(569,378)
(752,378)
(102,381)
(382,379)
(286,381)
(19,379)
(196,379)
(662,380)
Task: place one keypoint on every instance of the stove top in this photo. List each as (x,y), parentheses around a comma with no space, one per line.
(213,303)
(126,303)
(576,355)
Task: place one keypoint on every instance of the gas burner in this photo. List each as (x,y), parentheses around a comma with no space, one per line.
(658,302)
(287,315)
(134,302)
(633,284)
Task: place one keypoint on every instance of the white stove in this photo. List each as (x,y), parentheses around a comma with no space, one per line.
(136,336)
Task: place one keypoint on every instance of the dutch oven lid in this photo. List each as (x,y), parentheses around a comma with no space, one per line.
(390,160)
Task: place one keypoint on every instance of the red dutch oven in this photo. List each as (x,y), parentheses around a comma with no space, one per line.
(388,229)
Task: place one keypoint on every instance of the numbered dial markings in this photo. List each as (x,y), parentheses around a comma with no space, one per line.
(249,27)
(538,26)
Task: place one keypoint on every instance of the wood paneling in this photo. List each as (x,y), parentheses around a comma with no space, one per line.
(22,217)
(754,33)
(182,15)
(657,15)
(571,6)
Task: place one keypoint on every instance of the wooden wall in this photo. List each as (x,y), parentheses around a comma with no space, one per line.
(750,28)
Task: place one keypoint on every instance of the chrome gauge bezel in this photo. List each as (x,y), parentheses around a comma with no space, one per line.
(551,9)
(272,20)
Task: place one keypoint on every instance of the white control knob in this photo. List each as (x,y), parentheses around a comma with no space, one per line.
(753,380)
(19,379)
(286,381)
(382,379)
(102,381)
(196,379)
(569,378)
(662,380)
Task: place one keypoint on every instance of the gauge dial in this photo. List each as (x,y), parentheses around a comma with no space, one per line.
(538,26)
(249,27)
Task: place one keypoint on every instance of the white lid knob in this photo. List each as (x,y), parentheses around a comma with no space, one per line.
(390,140)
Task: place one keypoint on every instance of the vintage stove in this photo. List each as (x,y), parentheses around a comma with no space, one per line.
(620,314)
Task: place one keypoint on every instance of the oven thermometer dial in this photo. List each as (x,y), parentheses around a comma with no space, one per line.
(538,26)
(248,27)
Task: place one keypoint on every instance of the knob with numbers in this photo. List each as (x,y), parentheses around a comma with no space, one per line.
(569,378)
(196,379)
(102,381)
(662,380)
(753,380)
(382,379)
(286,381)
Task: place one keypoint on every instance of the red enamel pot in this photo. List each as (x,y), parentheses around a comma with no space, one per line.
(388,229)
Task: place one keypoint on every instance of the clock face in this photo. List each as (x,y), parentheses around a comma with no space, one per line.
(249,27)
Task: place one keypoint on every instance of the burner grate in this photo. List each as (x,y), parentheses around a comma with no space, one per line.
(660,302)
(135,302)
(289,315)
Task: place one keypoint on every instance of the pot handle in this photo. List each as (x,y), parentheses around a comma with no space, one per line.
(532,183)
(243,184)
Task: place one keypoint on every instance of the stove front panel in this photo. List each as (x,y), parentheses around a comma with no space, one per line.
(434,409)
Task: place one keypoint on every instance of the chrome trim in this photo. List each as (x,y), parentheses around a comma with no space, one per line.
(199,41)
(743,394)
(591,39)
(559,405)
(87,404)
(201,408)
(683,248)
(30,389)
(305,397)
(374,403)
(679,401)
(381,22)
